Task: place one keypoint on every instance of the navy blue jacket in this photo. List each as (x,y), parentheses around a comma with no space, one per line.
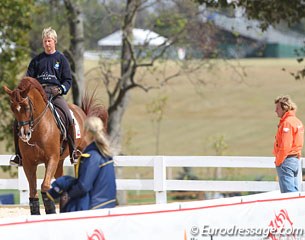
(94,187)
(53,69)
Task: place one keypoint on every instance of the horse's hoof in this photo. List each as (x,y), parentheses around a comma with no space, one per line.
(49,205)
(34,206)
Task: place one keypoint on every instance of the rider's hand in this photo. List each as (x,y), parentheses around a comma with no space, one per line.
(55,91)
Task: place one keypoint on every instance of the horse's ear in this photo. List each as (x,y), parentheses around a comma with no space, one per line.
(7,90)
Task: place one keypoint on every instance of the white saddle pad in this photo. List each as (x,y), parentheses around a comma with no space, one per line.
(76,126)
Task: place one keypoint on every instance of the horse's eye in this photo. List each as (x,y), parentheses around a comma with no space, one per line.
(15,107)
(25,106)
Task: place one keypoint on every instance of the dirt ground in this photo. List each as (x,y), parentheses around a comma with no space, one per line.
(7,211)
(13,211)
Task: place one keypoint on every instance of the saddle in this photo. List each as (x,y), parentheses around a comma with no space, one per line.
(59,119)
(61,123)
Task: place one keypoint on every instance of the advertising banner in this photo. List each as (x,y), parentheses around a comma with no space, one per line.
(275,217)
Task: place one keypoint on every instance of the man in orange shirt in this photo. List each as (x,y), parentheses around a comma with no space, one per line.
(288,144)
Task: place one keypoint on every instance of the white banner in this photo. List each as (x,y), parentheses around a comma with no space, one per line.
(262,216)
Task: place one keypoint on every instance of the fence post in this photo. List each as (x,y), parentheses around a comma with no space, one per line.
(160,179)
(23,186)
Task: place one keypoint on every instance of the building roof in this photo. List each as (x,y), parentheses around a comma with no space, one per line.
(140,37)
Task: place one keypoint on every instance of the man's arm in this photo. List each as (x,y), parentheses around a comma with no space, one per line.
(66,76)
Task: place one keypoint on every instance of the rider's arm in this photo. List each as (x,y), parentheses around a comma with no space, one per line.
(66,77)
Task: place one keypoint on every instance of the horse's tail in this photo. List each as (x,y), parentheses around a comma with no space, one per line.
(92,107)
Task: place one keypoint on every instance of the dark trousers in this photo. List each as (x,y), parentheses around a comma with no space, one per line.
(60,102)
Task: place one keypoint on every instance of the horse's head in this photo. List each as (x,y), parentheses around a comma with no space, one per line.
(21,107)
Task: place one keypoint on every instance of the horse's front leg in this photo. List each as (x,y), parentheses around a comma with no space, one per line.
(51,167)
(30,172)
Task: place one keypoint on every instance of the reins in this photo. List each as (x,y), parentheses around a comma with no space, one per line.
(38,119)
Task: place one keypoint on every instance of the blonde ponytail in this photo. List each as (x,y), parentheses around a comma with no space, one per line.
(95,127)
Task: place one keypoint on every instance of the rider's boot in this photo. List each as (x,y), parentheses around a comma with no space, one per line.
(16,160)
(74,152)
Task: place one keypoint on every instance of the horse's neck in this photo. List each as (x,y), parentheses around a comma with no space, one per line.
(39,105)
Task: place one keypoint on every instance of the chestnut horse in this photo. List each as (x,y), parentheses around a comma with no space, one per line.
(40,138)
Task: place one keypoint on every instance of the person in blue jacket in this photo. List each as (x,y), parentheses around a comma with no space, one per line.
(94,186)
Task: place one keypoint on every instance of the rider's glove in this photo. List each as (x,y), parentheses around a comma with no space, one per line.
(55,91)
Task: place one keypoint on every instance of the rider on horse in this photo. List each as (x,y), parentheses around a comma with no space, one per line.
(52,70)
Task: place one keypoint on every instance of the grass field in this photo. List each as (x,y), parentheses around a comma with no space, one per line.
(240,113)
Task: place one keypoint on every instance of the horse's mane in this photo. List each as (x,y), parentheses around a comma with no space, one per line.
(28,83)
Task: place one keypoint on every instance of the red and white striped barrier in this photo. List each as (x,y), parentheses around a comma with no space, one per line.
(260,216)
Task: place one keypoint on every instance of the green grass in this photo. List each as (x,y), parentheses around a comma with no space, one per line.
(241,112)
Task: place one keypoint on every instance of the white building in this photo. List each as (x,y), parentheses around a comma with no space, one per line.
(143,40)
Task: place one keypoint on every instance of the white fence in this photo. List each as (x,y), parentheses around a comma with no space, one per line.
(160,184)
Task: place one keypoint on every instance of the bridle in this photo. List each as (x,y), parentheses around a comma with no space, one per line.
(30,122)
(33,123)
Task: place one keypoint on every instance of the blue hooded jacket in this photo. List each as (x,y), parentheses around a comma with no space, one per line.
(94,186)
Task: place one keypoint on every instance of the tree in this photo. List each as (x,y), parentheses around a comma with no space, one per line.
(268,12)
(76,50)
(137,61)
(271,12)
(15,22)
(97,22)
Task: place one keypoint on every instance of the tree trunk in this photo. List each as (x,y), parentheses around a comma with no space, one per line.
(118,102)
(76,51)
(114,124)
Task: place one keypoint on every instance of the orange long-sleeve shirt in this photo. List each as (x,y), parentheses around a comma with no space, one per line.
(289,138)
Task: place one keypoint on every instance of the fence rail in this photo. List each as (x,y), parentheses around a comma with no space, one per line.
(160,184)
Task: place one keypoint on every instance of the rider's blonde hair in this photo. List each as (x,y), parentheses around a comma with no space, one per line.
(286,103)
(49,32)
(95,127)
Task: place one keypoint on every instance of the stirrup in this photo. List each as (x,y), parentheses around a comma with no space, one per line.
(15,160)
(74,156)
